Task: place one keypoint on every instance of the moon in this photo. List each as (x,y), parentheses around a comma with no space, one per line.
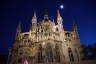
(62,6)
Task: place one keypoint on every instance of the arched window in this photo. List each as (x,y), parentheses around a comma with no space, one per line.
(67,34)
(57,29)
(57,53)
(40,57)
(70,54)
(49,53)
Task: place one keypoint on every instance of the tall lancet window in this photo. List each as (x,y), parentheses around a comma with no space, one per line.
(70,54)
(40,57)
(57,53)
(49,53)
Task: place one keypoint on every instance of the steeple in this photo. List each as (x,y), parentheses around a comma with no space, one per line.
(18,31)
(34,19)
(34,23)
(19,28)
(59,18)
(74,26)
(46,15)
(75,29)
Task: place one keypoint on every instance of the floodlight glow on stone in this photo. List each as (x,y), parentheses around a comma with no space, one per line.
(43,43)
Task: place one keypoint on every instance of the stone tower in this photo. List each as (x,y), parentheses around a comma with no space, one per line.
(46,43)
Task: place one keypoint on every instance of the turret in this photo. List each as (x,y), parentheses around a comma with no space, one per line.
(59,21)
(60,26)
(34,22)
(59,18)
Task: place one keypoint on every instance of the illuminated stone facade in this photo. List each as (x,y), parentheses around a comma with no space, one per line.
(46,43)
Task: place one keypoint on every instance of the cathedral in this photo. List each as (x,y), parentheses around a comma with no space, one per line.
(46,43)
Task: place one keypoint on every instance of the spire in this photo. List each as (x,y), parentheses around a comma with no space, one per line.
(58,13)
(34,14)
(34,22)
(34,18)
(59,18)
(18,31)
(19,27)
(75,29)
(46,15)
(74,25)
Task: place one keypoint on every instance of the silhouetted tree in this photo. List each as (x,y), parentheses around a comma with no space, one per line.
(89,52)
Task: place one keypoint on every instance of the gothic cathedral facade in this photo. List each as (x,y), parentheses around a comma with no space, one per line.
(46,43)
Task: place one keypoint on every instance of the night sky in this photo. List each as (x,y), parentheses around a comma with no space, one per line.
(13,11)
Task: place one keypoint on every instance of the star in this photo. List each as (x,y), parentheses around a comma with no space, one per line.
(62,6)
